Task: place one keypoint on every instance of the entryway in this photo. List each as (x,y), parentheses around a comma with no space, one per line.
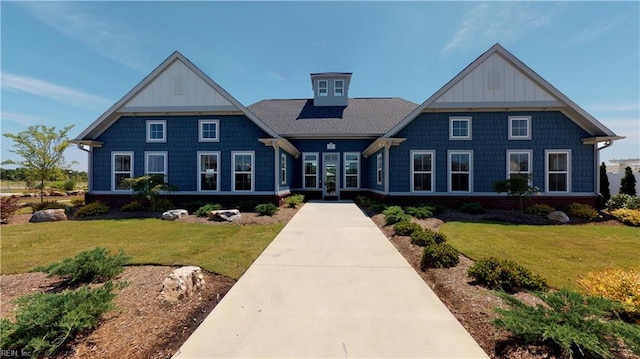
(331,176)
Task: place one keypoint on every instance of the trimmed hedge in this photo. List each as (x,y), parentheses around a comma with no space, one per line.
(441,255)
(406,228)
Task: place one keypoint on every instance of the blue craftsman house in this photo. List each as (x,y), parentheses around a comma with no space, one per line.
(495,119)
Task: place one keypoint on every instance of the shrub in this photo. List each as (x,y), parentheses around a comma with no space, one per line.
(582,211)
(266,209)
(405,228)
(69,185)
(92,209)
(8,207)
(366,201)
(580,326)
(505,275)
(622,200)
(246,205)
(627,216)
(164,204)
(441,255)
(45,322)
(615,284)
(294,200)
(204,210)
(93,266)
(395,214)
(427,237)
(77,202)
(628,182)
(133,206)
(472,208)
(420,212)
(48,205)
(539,209)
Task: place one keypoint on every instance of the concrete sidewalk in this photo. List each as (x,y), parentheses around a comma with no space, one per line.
(330,285)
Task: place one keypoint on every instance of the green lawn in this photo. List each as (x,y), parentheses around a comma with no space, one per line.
(223,249)
(559,253)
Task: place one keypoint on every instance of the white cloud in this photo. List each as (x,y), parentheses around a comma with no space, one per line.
(615,107)
(11,82)
(106,37)
(497,22)
(19,118)
(594,30)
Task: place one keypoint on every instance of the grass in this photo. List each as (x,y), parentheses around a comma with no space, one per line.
(561,254)
(222,249)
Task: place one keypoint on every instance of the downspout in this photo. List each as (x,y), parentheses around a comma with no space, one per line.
(90,165)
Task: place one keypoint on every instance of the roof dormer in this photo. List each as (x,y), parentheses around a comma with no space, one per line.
(331,88)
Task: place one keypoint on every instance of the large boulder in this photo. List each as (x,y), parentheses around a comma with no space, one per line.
(182,283)
(229,215)
(559,216)
(48,215)
(174,214)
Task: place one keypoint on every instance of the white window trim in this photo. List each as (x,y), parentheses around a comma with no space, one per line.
(336,87)
(326,87)
(449,172)
(166,162)
(199,173)
(453,119)
(546,169)
(113,170)
(379,171)
(164,130)
(233,170)
(317,162)
(528,119)
(202,122)
(528,153)
(283,168)
(433,168)
(344,169)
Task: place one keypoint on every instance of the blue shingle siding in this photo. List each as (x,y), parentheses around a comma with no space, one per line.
(289,172)
(549,131)
(371,173)
(236,133)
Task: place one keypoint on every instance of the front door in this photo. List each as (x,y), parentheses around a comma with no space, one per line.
(330,188)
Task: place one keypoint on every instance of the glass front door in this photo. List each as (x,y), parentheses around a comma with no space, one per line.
(330,188)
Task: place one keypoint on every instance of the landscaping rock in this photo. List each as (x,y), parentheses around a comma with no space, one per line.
(182,283)
(229,215)
(75,192)
(48,215)
(174,214)
(58,194)
(559,216)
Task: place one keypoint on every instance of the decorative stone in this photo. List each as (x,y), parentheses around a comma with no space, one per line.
(558,216)
(58,194)
(75,192)
(229,215)
(182,283)
(174,214)
(48,215)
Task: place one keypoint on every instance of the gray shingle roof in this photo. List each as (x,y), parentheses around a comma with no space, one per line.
(363,116)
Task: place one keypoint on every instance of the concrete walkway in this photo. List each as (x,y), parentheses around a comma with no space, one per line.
(330,285)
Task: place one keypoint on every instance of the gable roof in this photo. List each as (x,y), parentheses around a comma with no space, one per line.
(219,99)
(544,95)
(370,117)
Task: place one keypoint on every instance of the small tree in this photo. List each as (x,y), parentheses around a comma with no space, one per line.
(42,151)
(628,182)
(604,183)
(149,187)
(517,187)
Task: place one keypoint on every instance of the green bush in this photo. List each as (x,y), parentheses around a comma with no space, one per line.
(395,214)
(77,202)
(623,200)
(427,237)
(406,228)
(164,204)
(539,209)
(266,209)
(505,275)
(93,266)
(69,185)
(472,208)
(420,212)
(246,205)
(294,200)
(582,211)
(48,205)
(133,206)
(367,202)
(578,325)
(92,209)
(45,322)
(204,210)
(441,255)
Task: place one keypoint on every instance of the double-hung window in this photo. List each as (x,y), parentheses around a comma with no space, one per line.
(459,128)
(338,88)
(156,164)
(156,131)
(323,88)
(122,167)
(208,171)
(351,169)
(558,170)
(519,164)
(242,171)
(209,130)
(519,128)
(310,170)
(422,171)
(283,168)
(460,171)
(379,168)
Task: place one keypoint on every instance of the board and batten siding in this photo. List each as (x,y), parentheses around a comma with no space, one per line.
(236,133)
(489,143)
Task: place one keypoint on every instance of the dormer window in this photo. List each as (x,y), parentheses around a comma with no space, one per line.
(323,88)
(338,88)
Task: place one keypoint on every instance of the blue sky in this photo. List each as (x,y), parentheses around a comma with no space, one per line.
(66,63)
